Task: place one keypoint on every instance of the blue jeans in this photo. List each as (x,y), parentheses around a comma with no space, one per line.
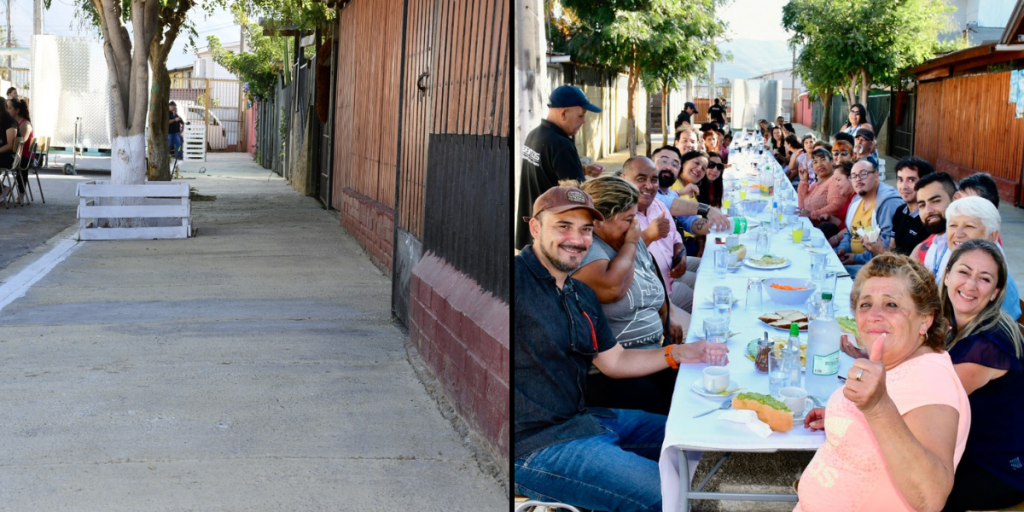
(174,144)
(617,470)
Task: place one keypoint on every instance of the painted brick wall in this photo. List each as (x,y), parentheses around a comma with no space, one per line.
(372,224)
(462,334)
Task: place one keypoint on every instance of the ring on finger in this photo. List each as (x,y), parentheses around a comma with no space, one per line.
(860,373)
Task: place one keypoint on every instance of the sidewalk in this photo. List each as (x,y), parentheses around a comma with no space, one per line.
(255,367)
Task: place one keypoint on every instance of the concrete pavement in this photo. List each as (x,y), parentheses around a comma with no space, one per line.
(255,367)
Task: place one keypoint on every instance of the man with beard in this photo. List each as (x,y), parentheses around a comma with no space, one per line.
(592,458)
(661,236)
(549,153)
(874,207)
(934,193)
(908,229)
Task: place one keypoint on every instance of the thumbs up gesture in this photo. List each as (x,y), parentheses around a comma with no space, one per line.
(865,382)
(658,228)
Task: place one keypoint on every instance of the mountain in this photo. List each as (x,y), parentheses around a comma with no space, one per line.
(753,57)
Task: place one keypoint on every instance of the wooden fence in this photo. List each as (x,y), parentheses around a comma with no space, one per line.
(365,149)
(962,139)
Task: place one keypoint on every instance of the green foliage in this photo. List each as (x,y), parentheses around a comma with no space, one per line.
(304,14)
(256,65)
(664,41)
(844,41)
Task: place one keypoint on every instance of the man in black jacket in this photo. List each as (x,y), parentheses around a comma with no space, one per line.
(549,153)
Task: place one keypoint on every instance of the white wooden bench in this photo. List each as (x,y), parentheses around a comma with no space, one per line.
(166,211)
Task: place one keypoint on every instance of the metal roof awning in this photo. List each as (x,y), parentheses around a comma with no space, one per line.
(19,50)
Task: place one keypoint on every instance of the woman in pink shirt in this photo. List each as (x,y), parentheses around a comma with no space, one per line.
(826,197)
(896,430)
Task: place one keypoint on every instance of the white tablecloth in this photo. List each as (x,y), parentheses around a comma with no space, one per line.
(683,432)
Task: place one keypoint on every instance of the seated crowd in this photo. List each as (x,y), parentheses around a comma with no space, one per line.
(15,124)
(605,291)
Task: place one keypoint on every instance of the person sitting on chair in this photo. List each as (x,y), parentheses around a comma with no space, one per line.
(18,110)
(8,142)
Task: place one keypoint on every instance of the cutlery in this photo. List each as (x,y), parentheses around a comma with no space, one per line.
(817,403)
(725,405)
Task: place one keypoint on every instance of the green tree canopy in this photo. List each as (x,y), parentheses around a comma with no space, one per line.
(660,42)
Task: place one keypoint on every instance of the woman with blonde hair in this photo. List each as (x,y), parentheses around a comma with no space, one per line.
(987,350)
(625,278)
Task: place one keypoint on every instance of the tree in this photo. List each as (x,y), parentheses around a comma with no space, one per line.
(662,41)
(865,41)
(256,67)
(171,21)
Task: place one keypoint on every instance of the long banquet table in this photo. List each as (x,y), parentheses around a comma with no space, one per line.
(686,438)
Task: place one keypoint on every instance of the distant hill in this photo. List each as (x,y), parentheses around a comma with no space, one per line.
(752,57)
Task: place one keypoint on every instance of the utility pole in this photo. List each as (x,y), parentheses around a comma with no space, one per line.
(37,17)
(9,35)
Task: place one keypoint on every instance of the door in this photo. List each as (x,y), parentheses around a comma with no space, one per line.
(323,182)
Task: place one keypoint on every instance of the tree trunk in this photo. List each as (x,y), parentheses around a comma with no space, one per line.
(159,149)
(631,111)
(865,88)
(826,115)
(664,114)
(647,131)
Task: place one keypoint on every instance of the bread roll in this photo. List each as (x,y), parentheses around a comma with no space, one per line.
(768,409)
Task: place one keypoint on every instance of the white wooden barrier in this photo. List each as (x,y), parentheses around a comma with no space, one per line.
(166,212)
(193,143)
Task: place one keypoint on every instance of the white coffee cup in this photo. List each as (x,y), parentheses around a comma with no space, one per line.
(716,379)
(817,240)
(795,398)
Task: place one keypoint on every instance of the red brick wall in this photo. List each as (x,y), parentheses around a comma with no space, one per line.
(372,224)
(462,334)
(1008,190)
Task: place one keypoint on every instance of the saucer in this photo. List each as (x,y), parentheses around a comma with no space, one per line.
(698,387)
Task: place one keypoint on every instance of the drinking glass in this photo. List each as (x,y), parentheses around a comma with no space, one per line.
(798,233)
(722,298)
(778,371)
(716,330)
(754,289)
(722,260)
(818,263)
(828,283)
(763,244)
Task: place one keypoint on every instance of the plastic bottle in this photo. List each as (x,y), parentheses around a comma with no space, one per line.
(823,337)
(767,182)
(775,217)
(793,355)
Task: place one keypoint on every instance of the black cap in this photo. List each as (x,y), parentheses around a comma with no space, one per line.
(569,96)
(866,133)
(691,105)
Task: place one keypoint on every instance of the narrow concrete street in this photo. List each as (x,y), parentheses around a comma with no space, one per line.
(254,367)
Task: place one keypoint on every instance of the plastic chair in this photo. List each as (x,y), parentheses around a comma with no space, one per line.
(31,166)
(523,504)
(10,177)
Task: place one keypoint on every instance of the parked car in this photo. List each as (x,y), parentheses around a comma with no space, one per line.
(216,135)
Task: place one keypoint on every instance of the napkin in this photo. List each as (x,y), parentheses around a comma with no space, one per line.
(869,233)
(749,418)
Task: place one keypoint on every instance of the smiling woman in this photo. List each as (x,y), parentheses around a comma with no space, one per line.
(899,424)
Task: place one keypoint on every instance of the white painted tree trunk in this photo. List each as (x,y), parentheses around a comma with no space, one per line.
(128,167)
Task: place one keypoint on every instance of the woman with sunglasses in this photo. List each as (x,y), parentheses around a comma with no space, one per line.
(711,186)
(842,152)
(858,119)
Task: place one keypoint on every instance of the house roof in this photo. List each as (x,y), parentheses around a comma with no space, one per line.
(1013,25)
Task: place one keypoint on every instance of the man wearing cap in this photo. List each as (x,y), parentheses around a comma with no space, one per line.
(549,154)
(864,146)
(602,459)
(689,109)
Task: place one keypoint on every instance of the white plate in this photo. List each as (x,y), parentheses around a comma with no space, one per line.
(779,328)
(751,264)
(698,387)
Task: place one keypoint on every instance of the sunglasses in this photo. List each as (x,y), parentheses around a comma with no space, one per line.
(841,153)
(858,112)
(713,165)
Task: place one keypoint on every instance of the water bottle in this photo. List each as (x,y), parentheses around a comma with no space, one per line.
(775,217)
(767,185)
(823,337)
(793,355)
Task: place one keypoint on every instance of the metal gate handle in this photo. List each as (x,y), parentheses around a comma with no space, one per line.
(419,81)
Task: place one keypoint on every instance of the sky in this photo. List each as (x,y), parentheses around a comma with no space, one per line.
(758,42)
(60,20)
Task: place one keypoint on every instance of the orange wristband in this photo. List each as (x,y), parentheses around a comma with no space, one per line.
(669,359)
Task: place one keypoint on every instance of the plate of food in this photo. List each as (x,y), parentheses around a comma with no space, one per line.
(767,262)
(784,318)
